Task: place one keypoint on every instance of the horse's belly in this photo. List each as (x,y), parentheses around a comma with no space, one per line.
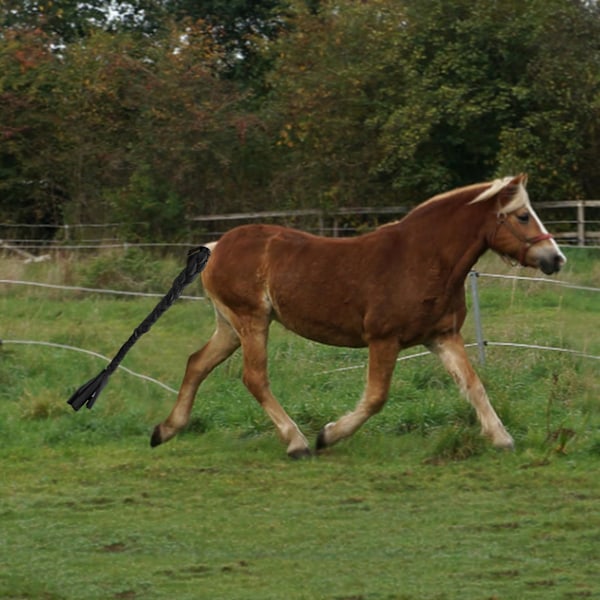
(326,329)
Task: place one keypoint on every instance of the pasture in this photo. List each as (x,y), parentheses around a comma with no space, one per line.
(415,506)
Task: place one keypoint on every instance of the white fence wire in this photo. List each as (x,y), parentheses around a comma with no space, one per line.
(91,353)
(479,344)
(71,288)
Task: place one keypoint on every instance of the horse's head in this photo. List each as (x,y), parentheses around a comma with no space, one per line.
(517,233)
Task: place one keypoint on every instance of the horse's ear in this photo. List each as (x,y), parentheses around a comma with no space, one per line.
(520,179)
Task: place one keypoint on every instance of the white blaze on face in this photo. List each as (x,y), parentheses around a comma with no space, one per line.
(533,215)
(521,200)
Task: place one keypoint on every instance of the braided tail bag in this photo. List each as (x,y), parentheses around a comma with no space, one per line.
(88,393)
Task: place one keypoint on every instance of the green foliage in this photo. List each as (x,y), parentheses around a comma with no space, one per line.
(431,96)
(64,21)
(30,191)
(477,100)
(324,90)
(556,136)
(242,27)
(175,109)
(133,270)
(149,209)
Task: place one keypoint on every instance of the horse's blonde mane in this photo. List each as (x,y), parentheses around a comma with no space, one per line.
(445,195)
(519,199)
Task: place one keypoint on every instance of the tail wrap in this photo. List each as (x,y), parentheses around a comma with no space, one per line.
(88,393)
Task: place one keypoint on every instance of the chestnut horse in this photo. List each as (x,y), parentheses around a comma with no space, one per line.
(400,285)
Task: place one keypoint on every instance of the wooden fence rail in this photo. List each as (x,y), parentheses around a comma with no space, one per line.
(587,230)
(334,217)
(574,222)
(580,229)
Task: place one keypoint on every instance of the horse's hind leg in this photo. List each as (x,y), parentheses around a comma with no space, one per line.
(254,348)
(221,345)
(451,351)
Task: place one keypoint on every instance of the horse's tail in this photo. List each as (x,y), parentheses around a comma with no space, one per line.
(196,261)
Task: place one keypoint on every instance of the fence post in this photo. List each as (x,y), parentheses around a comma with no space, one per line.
(581,223)
(473,275)
(336,224)
(321,223)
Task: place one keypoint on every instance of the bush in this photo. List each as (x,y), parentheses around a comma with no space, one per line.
(134,271)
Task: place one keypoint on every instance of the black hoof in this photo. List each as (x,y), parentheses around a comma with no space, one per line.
(156,439)
(321,443)
(300,454)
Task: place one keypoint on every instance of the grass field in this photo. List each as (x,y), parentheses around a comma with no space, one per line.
(415,506)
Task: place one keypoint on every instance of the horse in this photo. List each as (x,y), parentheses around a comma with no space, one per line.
(397,286)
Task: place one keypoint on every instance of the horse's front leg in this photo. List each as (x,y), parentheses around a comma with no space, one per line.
(451,351)
(382,360)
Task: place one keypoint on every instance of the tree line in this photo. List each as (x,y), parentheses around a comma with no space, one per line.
(151,111)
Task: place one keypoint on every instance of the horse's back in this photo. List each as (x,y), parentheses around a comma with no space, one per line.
(343,292)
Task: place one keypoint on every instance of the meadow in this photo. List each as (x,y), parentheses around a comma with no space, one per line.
(415,506)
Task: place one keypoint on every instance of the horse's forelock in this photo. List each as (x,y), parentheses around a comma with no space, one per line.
(516,194)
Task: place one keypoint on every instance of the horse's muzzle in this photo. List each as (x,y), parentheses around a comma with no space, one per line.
(552,262)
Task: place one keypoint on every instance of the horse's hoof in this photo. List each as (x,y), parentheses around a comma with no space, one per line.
(505,447)
(156,439)
(300,454)
(504,443)
(321,442)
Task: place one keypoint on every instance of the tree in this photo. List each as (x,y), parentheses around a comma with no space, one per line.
(179,108)
(240,27)
(437,94)
(556,139)
(491,88)
(324,86)
(62,21)
(30,190)
(188,124)
(149,114)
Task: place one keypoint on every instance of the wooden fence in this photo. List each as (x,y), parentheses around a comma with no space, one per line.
(574,222)
(336,223)
(586,221)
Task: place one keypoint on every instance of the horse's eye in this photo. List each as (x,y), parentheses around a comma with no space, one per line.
(524,218)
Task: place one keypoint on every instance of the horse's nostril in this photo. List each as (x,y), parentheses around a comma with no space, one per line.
(554,264)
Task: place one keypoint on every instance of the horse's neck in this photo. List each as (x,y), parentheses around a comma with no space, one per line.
(448,240)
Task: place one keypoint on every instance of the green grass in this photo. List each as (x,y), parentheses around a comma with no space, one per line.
(415,506)
(228,517)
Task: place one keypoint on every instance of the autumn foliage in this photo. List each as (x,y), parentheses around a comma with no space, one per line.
(173,110)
